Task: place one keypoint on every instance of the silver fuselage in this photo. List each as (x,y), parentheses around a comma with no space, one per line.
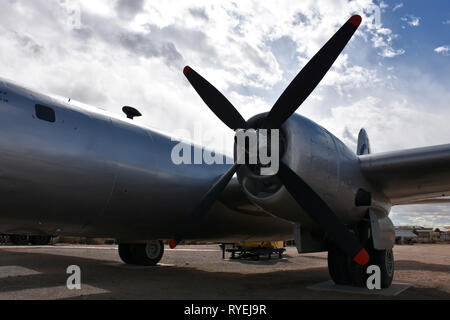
(92,174)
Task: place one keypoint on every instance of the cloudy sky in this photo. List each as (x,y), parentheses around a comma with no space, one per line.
(392,79)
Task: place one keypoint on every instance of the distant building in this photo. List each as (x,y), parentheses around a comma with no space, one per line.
(409,228)
(445,232)
(428,234)
(404,236)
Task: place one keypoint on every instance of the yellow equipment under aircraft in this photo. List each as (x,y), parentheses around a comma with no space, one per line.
(266,244)
(254,250)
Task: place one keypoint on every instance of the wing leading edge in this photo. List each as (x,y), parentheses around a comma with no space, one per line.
(411,176)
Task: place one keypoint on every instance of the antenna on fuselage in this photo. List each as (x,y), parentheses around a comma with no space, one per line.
(131,112)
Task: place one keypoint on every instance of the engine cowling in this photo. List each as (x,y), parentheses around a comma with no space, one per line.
(321,159)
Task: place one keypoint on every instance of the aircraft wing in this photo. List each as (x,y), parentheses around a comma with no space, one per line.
(413,176)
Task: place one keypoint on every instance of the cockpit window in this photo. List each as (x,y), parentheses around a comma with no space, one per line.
(45,113)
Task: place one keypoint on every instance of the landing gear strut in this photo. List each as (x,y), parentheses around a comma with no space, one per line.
(142,254)
(344,271)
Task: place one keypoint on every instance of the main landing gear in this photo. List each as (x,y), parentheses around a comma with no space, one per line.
(142,254)
(344,271)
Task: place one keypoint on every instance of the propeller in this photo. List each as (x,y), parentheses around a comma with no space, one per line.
(291,99)
(204,205)
(310,76)
(321,213)
(215,100)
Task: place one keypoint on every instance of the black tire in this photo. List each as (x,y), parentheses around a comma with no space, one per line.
(381,258)
(40,240)
(358,274)
(125,253)
(385,260)
(344,271)
(20,240)
(339,266)
(147,254)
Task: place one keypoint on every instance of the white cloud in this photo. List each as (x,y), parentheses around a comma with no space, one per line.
(228,43)
(391,121)
(384,31)
(411,20)
(435,215)
(383,5)
(390,53)
(444,50)
(397,6)
(383,38)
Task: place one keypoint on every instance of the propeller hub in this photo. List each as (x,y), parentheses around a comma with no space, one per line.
(259,155)
(258,149)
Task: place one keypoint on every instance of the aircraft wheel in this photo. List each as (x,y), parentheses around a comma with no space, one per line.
(147,254)
(125,253)
(19,240)
(385,260)
(382,258)
(339,266)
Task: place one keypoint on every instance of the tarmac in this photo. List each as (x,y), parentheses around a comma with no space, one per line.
(198,272)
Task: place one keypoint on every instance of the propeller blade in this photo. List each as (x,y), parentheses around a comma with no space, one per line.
(204,205)
(319,211)
(310,76)
(215,100)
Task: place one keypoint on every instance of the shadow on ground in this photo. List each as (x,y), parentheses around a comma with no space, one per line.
(173,282)
(420,266)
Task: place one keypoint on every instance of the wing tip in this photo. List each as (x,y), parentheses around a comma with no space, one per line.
(186,70)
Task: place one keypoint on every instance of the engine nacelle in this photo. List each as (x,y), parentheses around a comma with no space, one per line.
(322,161)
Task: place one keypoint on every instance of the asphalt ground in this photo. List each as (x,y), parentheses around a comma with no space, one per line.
(198,272)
